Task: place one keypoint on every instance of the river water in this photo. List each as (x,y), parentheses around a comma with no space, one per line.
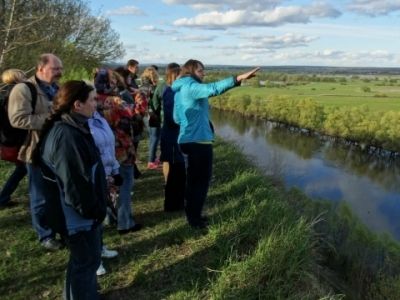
(320,168)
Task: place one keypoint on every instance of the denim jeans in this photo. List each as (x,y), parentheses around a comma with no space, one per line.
(84,260)
(155,134)
(12,183)
(37,202)
(198,176)
(125,217)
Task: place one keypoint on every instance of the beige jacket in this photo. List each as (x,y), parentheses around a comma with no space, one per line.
(20,115)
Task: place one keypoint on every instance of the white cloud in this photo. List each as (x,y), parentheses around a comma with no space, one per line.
(374,7)
(288,40)
(227,4)
(156,30)
(337,57)
(269,18)
(194,38)
(144,55)
(125,11)
(258,45)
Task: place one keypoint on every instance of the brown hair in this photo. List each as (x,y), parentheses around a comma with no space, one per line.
(120,81)
(69,92)
(189,68)
(124,73)
(172,71)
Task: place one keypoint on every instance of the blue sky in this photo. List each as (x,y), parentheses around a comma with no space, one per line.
(363,33)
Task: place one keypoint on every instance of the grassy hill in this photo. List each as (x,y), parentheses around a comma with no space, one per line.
(263,243)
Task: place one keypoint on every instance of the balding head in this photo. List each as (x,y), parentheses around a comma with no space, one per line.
(49,68)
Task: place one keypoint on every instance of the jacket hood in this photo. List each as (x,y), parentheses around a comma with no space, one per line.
(177,84)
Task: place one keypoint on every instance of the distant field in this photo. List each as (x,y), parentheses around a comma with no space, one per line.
(376,96)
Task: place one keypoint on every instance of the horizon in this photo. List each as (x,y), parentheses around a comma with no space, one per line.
(344,68)
(349,33)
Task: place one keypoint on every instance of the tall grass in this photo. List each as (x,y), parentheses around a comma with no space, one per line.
(263,243)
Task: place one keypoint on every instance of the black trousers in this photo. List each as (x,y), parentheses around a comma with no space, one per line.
(175,187)
(199,170)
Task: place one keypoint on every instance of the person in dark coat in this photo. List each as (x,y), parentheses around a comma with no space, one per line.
(171,156)
(67,155)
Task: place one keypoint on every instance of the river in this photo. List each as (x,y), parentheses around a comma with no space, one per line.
(322,169)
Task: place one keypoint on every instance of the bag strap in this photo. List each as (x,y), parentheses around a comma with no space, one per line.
(33,90)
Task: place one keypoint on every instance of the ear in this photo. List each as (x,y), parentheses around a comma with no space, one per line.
(77,105)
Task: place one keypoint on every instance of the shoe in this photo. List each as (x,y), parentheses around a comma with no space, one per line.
(134,228)
(106,253)
(101,270)
(157,161)
(152,166)
(51,244)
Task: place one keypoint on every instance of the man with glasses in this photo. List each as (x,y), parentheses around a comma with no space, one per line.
(23,115)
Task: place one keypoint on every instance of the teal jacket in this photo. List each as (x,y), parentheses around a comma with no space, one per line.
(191,107)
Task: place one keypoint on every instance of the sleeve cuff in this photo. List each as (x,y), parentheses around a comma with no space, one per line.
(237,83)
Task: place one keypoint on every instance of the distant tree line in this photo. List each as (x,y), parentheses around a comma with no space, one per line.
(358,125)
(63,27)
(278,79)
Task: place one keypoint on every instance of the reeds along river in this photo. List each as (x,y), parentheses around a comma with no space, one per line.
(321,168)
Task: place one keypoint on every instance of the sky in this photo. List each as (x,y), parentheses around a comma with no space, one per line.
(342,33)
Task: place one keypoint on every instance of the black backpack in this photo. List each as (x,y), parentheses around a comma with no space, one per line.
(10,136)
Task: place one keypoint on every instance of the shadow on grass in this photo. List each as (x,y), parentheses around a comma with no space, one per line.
(154,281)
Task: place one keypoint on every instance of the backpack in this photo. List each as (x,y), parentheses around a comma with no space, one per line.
(10,136)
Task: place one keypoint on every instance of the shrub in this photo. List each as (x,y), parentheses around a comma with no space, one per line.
(366,89)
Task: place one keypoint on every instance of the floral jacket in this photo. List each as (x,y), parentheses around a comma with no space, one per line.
(119,115)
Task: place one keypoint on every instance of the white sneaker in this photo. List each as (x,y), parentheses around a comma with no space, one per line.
(101,270)
(106,253)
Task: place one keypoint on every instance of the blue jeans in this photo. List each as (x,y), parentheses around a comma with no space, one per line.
(37,202)
(84,260)
(12,183)
(155,134)
(125,217)
(198,176)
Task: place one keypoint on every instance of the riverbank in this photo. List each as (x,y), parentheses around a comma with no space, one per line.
(364,114)
(262,243)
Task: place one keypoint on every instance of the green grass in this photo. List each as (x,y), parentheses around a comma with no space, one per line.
(333,94)
(263,243)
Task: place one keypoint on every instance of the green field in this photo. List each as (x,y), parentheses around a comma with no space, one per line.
(333,94)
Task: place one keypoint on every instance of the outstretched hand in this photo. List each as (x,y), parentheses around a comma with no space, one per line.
(247,75)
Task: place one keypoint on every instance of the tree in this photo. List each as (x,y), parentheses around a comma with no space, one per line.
(63,27)
(311,114)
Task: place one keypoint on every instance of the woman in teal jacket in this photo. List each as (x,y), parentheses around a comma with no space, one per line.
(196,133)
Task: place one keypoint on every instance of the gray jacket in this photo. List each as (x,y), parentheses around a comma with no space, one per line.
(20,115)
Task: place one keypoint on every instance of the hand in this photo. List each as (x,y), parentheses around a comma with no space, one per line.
(247,75)
(118,180)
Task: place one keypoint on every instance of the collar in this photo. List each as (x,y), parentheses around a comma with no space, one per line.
(50,89)
(76,120)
